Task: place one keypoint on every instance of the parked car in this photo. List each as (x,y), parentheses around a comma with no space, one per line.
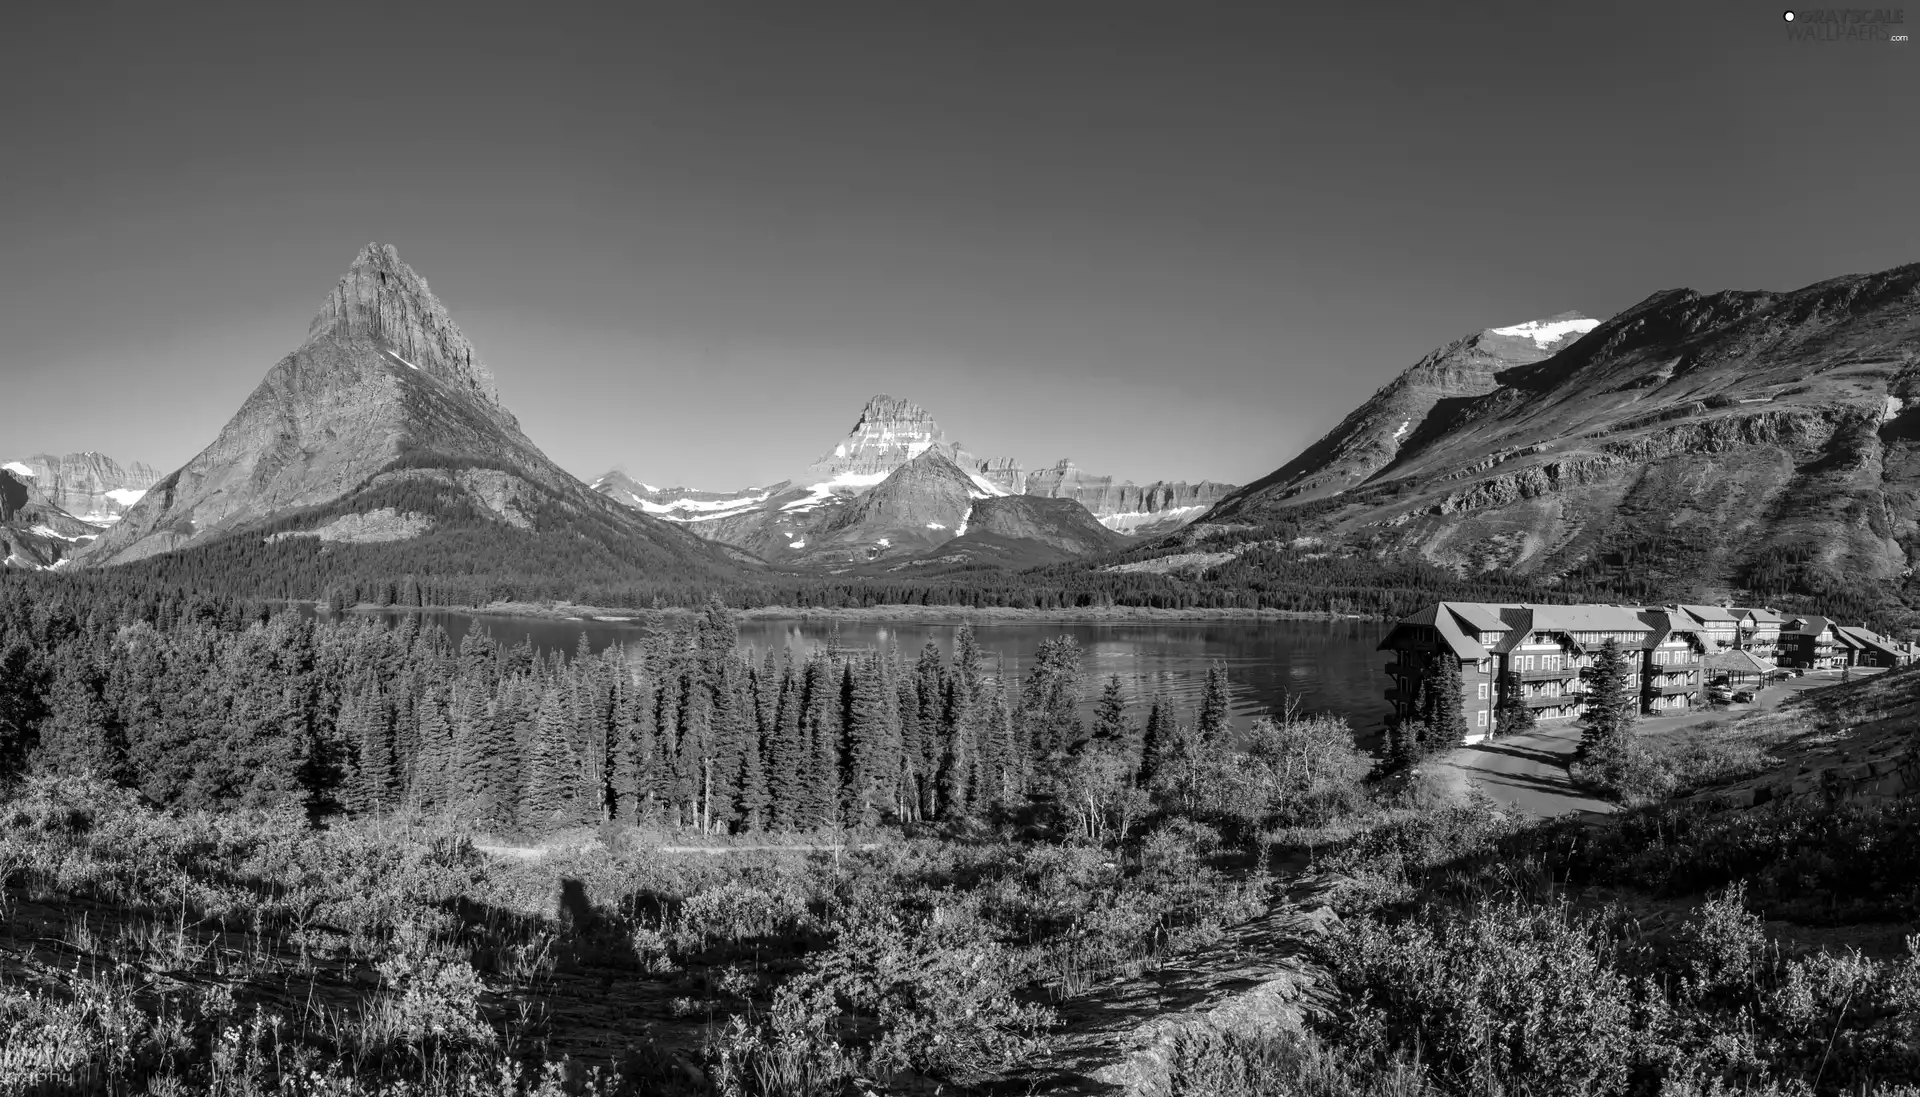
(1744,697)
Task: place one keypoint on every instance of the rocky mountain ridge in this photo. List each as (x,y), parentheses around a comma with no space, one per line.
(1742,441)
(384,410)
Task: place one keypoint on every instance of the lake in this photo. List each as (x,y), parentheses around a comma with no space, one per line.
(1331,666)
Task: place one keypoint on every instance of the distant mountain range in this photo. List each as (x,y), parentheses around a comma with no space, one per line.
(897,459)
(1727,444)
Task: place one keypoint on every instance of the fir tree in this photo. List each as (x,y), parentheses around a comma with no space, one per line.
(1612,705)
(1110,717)
(1444,719)
(548,798)
(873,740)
(1157,753)
(787,753)
(821,726)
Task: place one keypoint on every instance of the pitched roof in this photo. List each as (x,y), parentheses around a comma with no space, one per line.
(1760,616)
(1479,615)
(1440,616)
(1739,661)
(1711,614)
(1809,626)
(1866,637)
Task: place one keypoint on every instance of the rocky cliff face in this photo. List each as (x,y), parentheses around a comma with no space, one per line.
(1693,435)
(384,399)
(1126,507)
(1023,531)
(90,486)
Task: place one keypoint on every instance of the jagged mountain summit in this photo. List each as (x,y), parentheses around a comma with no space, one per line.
(1739,441)
(92,487)
(385,425)
(792,520)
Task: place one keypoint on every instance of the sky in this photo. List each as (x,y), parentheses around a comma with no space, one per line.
(1169,240)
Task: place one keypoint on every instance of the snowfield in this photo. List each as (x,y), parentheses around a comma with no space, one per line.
(1544,333)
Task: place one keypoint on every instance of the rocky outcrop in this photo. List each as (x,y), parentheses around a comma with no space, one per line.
(385,398)
(90,486)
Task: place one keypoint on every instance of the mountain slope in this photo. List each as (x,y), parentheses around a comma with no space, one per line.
(384,426)
(1023,531)
(1738,443)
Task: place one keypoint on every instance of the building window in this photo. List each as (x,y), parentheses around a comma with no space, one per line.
(1483,691)
(1483,718)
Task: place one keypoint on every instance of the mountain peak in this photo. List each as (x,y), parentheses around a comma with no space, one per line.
(883,408)
(383,299)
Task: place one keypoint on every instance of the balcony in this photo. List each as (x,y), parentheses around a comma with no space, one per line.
(1550,674)
(1399,697)
(1559,700)
(1670,689)
(1405,670)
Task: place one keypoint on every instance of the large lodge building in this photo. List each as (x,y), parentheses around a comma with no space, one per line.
(1675,652)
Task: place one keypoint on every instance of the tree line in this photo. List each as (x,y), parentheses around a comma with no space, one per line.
(210,702)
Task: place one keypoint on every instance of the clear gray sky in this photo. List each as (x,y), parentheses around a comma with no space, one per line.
(1167,239)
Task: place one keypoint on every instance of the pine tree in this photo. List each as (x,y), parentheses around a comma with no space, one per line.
(1110,717)
(1212,728)
(1612,706)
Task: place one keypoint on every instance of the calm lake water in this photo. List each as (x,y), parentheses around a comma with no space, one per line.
(1330,665)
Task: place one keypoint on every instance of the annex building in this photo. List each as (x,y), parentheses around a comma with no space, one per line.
(1543,654)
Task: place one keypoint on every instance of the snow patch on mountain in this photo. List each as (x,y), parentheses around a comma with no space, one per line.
(1128,521)
(1545,333)
(718,508)
(17,468)
(1405,426)
(126,497)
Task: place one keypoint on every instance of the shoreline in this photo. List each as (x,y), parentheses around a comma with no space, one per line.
(567,611)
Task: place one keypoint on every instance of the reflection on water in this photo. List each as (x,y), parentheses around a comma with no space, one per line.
(1330,666)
